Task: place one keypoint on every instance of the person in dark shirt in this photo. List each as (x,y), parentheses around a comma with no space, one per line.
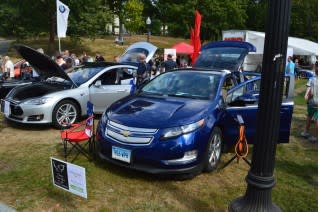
(143,70)
(99,57)
(169,64)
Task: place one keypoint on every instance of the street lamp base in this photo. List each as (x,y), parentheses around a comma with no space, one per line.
(242,204)
(257,197)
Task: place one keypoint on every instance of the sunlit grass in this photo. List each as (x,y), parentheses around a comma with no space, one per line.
(26,183)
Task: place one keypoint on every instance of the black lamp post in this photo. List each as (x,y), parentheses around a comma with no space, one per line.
(260,178)
(148,22)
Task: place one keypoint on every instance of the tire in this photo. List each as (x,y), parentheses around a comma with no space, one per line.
(64,114)
(303,75)
(213,151)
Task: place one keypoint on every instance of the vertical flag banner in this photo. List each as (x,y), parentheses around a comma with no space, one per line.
(196,36)
(62,19)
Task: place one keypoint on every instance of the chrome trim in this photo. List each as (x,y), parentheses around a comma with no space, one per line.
(184,160)
(127,139)
(131,129)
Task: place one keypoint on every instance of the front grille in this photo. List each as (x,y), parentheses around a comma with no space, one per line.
(15,109)
(129,135)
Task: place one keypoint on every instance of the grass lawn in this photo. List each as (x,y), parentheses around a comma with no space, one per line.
(26,182)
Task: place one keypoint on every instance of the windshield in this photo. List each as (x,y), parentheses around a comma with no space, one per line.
(132,55)
(80,75)
(221,58)
(183,84)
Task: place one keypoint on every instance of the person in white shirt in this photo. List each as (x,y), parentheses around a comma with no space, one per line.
(8,67)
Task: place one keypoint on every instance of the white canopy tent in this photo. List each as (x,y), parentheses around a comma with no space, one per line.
(296,46)
(300,46)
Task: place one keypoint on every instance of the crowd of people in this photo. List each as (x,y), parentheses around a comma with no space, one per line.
(67,60)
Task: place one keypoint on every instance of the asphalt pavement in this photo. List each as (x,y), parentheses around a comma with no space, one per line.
(4,46)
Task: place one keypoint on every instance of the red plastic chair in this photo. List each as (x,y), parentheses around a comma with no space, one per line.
(79,136)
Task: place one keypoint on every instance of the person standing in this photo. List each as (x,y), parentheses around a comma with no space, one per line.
(290,66)
(116,59)
(8,68)
(99,57)
(169,64)
(311,96)
(142,71)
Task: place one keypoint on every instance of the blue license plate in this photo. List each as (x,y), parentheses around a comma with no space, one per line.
(121,154)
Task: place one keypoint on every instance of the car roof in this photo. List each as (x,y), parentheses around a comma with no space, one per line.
(205,70)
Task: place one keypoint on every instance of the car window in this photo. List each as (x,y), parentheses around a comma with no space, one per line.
(182,84)
(82,74)
(132,55)
(251,88)
(221,58)
(109,77)
(124,75)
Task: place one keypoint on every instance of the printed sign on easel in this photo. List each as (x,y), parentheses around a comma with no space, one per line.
(69,177)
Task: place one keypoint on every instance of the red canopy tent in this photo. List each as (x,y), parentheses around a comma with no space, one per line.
(183,48)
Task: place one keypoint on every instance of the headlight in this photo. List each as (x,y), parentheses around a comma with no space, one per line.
(176,131)
(37,101)
(104,118)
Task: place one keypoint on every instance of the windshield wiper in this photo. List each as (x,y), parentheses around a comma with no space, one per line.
(151,93)
(185,95)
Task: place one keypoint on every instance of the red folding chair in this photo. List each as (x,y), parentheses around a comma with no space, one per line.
(79,136)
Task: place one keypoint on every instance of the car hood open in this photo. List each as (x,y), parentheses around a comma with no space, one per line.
(224,55)
(148,112)
(43,64)
(131,53)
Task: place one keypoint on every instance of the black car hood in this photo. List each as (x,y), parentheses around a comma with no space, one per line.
(43,64)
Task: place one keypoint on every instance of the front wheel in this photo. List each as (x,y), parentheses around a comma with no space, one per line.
(214,150)
(64,114)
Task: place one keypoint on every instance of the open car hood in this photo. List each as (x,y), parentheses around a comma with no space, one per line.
(237,44)
(224,55)
(43,64)
(132,52)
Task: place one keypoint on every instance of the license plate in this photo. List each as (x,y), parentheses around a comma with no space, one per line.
(5,107)
(121,154)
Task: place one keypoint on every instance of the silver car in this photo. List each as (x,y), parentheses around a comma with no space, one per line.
(61,97)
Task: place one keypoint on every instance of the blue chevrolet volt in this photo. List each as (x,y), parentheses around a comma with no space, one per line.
(181,121)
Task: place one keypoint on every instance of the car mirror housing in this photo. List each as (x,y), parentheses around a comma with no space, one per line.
(97,83)
(243,100)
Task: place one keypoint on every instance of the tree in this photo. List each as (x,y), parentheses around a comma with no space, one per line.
(133,15)
(117,8)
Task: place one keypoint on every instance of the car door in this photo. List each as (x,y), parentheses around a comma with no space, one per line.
(109,87)
(243,100)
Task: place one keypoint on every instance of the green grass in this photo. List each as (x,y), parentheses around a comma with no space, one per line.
(26,183)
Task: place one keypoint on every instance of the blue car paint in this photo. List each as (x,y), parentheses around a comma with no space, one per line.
(165,112)
(225,43)
(249,115)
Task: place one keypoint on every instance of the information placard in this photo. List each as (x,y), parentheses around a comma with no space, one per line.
(69,177)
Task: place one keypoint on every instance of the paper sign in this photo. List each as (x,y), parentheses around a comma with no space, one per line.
(69,177)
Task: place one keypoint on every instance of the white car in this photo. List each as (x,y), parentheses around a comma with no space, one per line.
(60,98)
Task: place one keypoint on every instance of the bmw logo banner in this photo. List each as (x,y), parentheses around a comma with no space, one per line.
(62,19)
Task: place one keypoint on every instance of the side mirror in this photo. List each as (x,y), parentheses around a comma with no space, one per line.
(244,100)
(97,83)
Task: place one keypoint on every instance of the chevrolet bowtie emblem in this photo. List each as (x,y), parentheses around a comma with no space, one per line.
(125,133)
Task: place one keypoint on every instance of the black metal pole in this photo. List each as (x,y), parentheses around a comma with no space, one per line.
(260,178)
(148,38)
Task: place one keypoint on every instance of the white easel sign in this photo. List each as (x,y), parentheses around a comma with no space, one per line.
(69,177)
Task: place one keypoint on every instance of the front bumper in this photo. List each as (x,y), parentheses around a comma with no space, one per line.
(31,114)
(157,157)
